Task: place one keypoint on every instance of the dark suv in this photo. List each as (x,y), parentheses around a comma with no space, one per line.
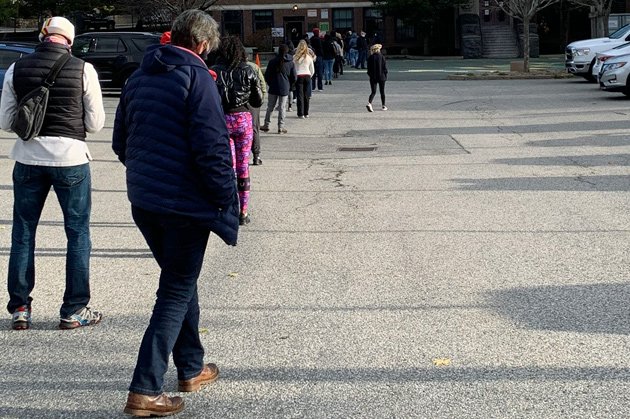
(114,55)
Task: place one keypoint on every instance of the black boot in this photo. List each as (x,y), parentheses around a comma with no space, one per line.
(257,161)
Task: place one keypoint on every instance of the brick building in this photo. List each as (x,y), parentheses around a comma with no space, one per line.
(256,21)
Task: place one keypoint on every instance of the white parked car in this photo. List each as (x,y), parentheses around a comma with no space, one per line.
(613,76)
(601,57)
(580,55)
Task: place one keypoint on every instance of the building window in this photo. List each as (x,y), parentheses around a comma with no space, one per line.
(373,23)
(262,19)
(342,20)
(233,22)
(404,31)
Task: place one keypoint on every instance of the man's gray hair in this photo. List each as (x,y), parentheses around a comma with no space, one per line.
(192,27)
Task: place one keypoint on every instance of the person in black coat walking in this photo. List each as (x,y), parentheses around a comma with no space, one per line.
(317,46)
(362,47)
(280,77)
(377,71)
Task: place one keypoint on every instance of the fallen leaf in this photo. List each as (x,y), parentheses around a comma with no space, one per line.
(441,362)
(233,274)
(203,331)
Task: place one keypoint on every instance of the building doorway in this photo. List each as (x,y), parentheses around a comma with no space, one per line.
(293,29)
(491,14)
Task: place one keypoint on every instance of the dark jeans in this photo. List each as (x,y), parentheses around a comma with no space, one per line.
(361,59)
(317,77)
(31,185)
(381,88)
(178,244)
(256,128)
(301,86)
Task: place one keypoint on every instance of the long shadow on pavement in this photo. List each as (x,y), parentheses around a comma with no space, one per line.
(593,308)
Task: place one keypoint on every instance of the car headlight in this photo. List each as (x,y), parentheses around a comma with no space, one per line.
(581,51)
(613,66)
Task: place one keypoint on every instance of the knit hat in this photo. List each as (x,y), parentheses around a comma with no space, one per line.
(315,31)
(57,25)
(166,38)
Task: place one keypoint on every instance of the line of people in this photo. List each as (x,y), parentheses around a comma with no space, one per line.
(184,133)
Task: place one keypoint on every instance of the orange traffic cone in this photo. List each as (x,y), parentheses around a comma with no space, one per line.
(257,60)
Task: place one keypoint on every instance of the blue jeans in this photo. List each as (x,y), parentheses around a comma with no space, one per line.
(317,77)
(353,57)
(178,244)
(31,185)
(328,69)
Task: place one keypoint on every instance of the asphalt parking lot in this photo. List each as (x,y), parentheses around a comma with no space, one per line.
(468,257)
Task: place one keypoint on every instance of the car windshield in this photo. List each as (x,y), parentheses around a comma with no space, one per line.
(619,32)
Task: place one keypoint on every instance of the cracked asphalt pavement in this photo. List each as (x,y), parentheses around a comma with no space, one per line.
(485,223)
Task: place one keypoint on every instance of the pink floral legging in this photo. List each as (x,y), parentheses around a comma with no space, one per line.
(240,129)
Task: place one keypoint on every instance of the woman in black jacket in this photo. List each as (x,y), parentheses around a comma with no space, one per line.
(377,71)
(239,87)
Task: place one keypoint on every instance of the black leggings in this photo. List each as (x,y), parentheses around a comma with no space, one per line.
(381,88)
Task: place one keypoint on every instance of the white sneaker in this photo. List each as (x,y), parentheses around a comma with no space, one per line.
(384,108)
(369,107)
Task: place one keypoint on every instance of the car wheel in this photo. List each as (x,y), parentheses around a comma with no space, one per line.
(626,91)
(589,76)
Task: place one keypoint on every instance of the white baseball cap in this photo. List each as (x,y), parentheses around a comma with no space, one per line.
(57,25)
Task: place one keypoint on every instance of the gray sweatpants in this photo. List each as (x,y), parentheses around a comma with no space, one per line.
(281,101)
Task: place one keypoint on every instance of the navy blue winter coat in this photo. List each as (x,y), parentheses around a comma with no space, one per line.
(170,133)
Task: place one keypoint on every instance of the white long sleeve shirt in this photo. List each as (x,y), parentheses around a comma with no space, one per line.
(54,151)
(304,66)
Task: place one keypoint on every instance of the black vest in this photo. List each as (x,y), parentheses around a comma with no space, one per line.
(64,115)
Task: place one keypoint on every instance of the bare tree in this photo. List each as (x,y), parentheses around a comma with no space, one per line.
(178,6)
(525,10)
(600,10)
(156,13)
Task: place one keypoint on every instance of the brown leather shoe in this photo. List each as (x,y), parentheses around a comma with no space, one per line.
(209,374)
(144,406)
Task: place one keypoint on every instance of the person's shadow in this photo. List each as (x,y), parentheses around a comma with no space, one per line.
(594,308)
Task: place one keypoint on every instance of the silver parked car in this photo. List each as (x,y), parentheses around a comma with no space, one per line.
(613,76)
(601,57)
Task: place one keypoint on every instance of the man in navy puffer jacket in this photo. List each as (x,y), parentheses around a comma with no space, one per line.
(170,133)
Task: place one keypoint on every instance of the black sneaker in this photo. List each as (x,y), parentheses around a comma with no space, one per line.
(243,219)
(84,317)
(257,160)
(21,318)
(264,128)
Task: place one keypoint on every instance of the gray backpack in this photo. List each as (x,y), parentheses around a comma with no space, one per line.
(31,110)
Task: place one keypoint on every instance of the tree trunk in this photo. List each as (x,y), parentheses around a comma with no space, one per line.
(526,44)
(600,25)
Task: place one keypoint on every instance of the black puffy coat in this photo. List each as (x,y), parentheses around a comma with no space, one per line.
(377,67)
(238,87)
(64,114)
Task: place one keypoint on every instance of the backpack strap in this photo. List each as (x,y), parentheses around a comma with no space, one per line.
(50,80)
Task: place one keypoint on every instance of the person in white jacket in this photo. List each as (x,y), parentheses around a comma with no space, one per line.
(304,68)
(57,157)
